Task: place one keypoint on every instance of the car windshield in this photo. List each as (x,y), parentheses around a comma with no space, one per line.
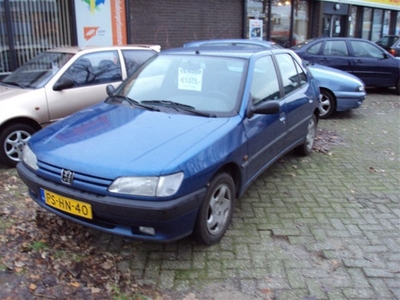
(201,83)
(38,71)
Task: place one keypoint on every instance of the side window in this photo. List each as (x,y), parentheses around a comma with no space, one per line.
(95,68)
(301,74)
(135,58)
(363,49)
(265,84)
(335,48)
(290,78)
(314,49)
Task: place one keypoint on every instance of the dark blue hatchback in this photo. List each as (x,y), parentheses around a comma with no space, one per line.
(372,64)
(168,153)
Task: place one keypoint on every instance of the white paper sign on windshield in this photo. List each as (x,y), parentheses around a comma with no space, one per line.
(190,79)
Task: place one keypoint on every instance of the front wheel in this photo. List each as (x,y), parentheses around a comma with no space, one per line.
(215,213)
(306,148)
(328,104)
(12,140)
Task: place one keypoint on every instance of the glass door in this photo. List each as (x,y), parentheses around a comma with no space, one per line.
(333,26)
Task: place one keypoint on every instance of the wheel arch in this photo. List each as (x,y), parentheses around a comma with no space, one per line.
(232,170)
(21,120)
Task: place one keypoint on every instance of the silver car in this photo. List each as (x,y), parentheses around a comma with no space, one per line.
(57,83)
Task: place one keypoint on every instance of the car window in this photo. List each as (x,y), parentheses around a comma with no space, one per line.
(301,74)
(39,70)
(95,68)
(314,49)
(135,58)
(364,49)
(290,78)
(210,84)
(335,48)
(265,85)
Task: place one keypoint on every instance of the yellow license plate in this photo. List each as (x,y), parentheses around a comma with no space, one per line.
(68,205)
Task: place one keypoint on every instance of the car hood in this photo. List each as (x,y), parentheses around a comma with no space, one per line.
(325,74)
(8,92)
(110,141)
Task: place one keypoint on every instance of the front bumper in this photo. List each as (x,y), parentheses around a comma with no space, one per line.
(171,220)
(347,101)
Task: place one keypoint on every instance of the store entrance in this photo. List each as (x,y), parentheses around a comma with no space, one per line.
(333,26)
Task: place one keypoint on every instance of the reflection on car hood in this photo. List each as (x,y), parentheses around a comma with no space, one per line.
(111,141)
(327,73)
(8,91)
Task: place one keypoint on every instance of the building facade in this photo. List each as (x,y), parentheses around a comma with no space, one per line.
(28,27)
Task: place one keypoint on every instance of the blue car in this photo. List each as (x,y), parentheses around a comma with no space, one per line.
(372,64)
(170,150)
(339,90)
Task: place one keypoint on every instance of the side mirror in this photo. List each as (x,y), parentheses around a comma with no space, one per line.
(110,89)
(269,107)
(63,83)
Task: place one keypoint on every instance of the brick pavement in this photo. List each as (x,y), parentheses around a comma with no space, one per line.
(321,227)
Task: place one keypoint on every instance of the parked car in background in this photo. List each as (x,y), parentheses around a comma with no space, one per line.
(387,41)
(395,49)
(172,148)
(57,83)
(362,58)
(340,91)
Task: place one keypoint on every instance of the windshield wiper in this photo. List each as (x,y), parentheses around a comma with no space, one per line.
(179,107)
(133,102)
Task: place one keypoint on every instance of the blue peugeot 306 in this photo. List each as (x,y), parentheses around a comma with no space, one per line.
(170,150)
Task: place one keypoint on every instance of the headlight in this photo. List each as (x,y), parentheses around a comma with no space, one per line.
(29,158)
(360,88)
(162,186)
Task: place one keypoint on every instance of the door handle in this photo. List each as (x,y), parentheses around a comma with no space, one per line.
(282,117)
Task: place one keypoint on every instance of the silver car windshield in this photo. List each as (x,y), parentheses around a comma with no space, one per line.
(203,83)
(38,71)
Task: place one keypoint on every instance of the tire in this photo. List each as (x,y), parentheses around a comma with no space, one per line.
(308,144)
(328,104)
(12,140)
(215,213)
(398,87)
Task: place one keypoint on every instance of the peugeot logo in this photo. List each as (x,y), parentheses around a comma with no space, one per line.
(67,176)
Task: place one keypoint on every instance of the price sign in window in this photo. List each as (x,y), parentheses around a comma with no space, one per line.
(190,79)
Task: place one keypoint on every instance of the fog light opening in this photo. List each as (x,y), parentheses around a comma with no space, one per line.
(147,230)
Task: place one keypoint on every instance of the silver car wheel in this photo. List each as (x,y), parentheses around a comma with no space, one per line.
(14,144)
(311,132)
(328,105)
(219,209)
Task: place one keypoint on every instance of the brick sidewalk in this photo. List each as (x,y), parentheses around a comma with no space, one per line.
(321,227)
(325,226)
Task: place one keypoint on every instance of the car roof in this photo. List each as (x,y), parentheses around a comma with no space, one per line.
(222,51)
(233,42)
(76,49)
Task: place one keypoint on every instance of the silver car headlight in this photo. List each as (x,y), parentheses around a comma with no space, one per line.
(159,186)
(29,158)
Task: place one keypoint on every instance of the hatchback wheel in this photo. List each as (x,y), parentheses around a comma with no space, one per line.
(215,213)
(328,104)
(12,140)
(307,146)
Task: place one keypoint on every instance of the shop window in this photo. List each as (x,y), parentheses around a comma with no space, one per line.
(35,26)
(377,24)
